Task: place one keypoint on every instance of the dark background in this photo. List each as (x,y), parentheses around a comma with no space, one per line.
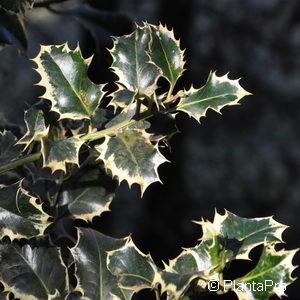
(247,160)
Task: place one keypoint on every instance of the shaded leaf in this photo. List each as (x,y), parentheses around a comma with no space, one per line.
(8,148)
(272,274)
(90,255)
(166,54)
(33,273)
(36,128)
(64,75)
(130,156)
(57,153)
(86,199)
(122,98)
(20,215)
(12,30)
(215,94)
(131,62)
(137,271)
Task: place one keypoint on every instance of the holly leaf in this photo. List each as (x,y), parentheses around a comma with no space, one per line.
(20,215)
(36,128)
(16,6)
(57,153)
(122,97)
(32,273)
(166,54)
(86,199)
(136,271)
(229,237)
(215,94)
(240,235)
(90,255)
(8,148)
(130,156)
(271,276)
(131,62)
(64,75)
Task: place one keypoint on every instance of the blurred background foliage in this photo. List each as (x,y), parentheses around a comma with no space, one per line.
(247,160)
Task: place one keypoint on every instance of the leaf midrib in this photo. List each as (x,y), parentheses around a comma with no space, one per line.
(68,82)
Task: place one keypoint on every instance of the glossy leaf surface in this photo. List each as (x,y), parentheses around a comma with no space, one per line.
(95,281)
(166,54)
(57,153)
(33,273)
(131,62)
(130,156)
(20,215)
(64,75)
(215,94)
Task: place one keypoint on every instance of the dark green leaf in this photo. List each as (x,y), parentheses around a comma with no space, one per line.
(130,156)
(57,153)
(95,281)
(8,148)
(122,98)
(134,269)
(36,128)
(33,273)
(131,62)
(86,199)
(64,75)
(271,275)
(166,54)
(20,215)
(215,94)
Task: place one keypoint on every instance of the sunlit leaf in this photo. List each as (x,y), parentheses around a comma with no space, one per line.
(215,94)
(166,54)
(64,75)
(272,275)
(131,62)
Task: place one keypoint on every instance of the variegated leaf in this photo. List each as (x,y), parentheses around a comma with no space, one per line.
(122,97)
(57,153)
(33,273)
(137,271)
(271,276)
(131,62)
(8,148)
(86,199)
(240,235)
(215,94)
(130,156)
(64,75)
(90,255)
(166,54)
(20,215)
(229,237)
(36,128)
